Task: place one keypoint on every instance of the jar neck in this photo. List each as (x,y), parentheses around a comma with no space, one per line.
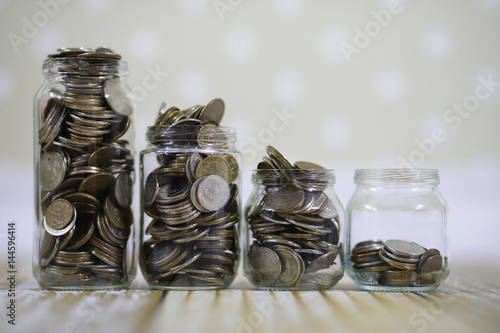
(396,177)
(192,136)
(308,178)
(85,67)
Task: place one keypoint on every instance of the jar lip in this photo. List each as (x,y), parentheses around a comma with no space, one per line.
(63,65)
(280,176)
(216,136)
(186,128)
(396,176)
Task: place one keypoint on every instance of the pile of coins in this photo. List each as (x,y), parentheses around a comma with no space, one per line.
(395,262)
(192,200)
(85,171)
(294,224)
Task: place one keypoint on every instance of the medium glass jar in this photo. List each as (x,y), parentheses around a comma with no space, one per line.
(396,233)
(291,238)
(190,206)
(84,172)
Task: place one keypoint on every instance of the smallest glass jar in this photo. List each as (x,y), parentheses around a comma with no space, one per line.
(291,238)
(396,234)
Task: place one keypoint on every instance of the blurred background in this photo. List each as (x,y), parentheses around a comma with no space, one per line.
(343,84)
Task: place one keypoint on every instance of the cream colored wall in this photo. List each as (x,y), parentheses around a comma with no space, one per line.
(280,68)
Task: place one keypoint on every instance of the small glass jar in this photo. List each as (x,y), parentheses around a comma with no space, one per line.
(291,238)
(84,172)
(190,207)
(396,234)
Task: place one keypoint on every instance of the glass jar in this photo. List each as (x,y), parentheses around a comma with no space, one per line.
(291,238)
(84,172)
(190,206)
(396,234)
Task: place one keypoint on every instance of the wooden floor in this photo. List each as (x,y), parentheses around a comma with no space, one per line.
(469,301)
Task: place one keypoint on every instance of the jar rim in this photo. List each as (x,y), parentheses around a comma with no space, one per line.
(396,176)
(281,176)
(215,136)
(62,65)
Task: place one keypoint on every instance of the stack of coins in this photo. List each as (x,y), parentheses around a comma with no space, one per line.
(85,171)
(294,224)
(399,262)
(192,202)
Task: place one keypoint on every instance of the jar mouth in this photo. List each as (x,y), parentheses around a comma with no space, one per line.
(396,176)
(278,177)
(203,136)
(99,67)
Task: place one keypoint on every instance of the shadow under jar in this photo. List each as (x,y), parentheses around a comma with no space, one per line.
(190,207)
(292,230)
(84,172)
(396,233)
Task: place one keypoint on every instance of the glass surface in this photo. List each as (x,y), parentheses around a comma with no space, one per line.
(405,208)
(84,235)
(291,238)
(190,207)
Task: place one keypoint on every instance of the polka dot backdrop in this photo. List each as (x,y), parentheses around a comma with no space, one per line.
(349,85)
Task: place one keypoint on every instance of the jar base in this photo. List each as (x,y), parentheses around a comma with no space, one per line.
(398,289)
(84,288)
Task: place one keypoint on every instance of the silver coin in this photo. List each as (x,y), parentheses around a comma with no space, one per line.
(292,265)
(151,189)
(213,192)
(329,212)
(266,264)
(323,262)
(117,98)
(123,190)
(404,248)
(52,170)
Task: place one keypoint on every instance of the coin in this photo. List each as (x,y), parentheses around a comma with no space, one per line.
(284,199)
(431,261)
(402,264)
(212,193)
(52,170)
(307,166)
(214,110)
(116,96)
(102,157)
(49,247)
(151,189)
(267,265)
(323,262)
(277,157)
(123,190)
(292,265)
(213,165)
(60,214)
(99,185)
(118,217)
(404,248)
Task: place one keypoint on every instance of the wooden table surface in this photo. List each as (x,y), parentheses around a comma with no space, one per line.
(469,301)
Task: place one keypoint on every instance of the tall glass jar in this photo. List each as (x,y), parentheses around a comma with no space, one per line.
(291,238)
(84,172)
(396,233)
(190,206)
